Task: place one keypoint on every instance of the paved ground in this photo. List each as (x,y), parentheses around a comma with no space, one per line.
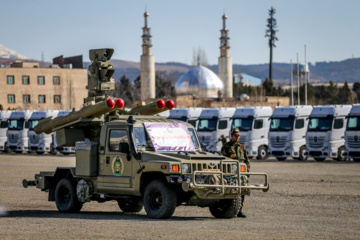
(307,200)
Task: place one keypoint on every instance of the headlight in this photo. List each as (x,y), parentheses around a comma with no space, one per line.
(186,168)
(234,168)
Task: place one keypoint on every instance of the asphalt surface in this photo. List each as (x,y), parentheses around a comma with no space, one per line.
(306,200)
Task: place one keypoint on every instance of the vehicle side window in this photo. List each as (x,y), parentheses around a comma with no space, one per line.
(223,124)
(258,124)
(117,136)
(338,123)
(299,123)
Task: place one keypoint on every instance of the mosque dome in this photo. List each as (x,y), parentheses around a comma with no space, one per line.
(201,82)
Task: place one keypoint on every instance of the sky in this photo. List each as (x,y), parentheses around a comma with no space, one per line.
(329,29)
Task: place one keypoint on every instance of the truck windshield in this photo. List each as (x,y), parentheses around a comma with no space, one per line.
(207,125)
(16,124)
(184,119)
(320,124)
(243,124)
(33,123)
(193,137)
(281,124)
(141,138)
(4,124)
(353,123)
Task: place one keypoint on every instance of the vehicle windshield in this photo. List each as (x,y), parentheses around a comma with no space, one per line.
(16,124)
(33,123)
(243,124)
(320,124)
(184,119)
(192,122)
(4,124)
(141,138)
(281,124)
(193,137)
(207,125)
(169,136)
(353,123)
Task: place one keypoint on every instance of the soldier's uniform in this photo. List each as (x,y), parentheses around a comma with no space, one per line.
(236,150)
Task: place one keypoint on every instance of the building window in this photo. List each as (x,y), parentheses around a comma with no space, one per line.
(26,80)
(41,80)
(57,99)
(10,80)
(11,98)
(26,98)
(56,80)
(42,99)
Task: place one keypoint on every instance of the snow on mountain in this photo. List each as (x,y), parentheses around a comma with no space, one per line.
(8,53)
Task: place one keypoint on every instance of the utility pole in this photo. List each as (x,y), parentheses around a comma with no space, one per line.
(292,83)
(271,34)
(298,78)
(306,74)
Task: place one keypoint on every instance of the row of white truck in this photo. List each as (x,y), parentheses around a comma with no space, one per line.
(17,132)
(298,132)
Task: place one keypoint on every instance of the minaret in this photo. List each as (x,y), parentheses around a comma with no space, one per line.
(147,64)
(225,62)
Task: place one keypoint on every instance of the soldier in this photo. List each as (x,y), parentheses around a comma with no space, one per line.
(235,150)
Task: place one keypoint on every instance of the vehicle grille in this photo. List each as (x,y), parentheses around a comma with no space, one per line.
(34,139)
(227,167)
(278,142)
(242,139)
(353,141)
(316,142)
(13,138)
(278,153)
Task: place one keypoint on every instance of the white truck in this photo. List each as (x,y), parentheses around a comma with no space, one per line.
(189,115)
(40,143)
(352,134)
(287,132)
(54,148)
(17,133)
(253,123)
(325,137)
(4,116)
(213,124)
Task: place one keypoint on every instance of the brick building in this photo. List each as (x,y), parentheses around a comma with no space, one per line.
(25,86)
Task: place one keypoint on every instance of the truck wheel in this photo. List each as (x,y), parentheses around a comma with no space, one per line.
(6,150)
(341,156)
(262,153)
(319,159)
(159,200)
(281,158)
(302,156)
(226,208)
(66,198)
(133,205)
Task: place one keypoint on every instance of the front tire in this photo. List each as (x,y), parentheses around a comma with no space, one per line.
(302,156)
(159,200)
(133,205)
(341,156)
(65,197)
(262,153)
(226,208)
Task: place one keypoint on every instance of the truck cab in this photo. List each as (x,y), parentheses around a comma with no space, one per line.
(325,137)
(287,132)
(17,133)
(253,123)
(39,143)
(352,134)
(4,116)
(54,148)
(214,123)
(189,115)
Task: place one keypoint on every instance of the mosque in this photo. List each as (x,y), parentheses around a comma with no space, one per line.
(198,81)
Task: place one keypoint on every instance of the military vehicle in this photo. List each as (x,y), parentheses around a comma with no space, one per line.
(138,160)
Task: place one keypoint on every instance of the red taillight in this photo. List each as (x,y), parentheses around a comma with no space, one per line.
(170,104)
(160,103)
(120,103)
(110,102)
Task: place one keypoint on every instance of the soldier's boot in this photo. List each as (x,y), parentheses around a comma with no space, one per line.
(241,214)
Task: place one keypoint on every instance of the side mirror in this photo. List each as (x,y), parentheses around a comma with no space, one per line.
(124,147)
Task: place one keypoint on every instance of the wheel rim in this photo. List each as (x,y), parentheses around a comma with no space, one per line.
(263,153)
(155,200)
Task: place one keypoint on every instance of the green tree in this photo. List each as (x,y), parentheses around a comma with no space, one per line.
(271,34)
(345,95)
(356,89)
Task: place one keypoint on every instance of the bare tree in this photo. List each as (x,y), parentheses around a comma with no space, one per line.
(271,34)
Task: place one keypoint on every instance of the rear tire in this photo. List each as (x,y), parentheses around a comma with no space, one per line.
(226,208)
(65,197)
(281,158)
(319,159)
(262,153)
(159,200)
(302,156)
(131,205)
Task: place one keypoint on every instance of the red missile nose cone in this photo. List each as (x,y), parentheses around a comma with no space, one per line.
(160,103)
(170,104)
(120,103)
(110,103)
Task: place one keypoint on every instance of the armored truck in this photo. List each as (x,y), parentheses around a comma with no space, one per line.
(138,160)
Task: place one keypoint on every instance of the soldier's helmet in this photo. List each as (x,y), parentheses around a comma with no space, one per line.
(235,131)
